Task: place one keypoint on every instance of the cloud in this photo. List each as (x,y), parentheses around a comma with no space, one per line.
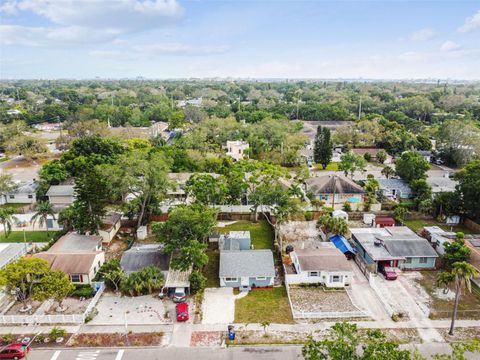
(471,23)
(423,35)
(92,19)
(449,46)
(58,36)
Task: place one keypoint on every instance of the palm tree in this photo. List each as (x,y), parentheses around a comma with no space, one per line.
(444,278)
(43,209)
(7,219)
(463,272)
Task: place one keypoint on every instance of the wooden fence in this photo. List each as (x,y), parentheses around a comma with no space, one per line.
(472,225)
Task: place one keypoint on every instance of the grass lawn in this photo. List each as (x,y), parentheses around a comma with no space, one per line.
(31,236)
(269,305)
(211,269)
(468,307)
(416,225)
(260,232)
(13,206)
(333,166)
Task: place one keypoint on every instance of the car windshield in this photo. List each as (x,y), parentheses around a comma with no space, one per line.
(389,269)
(182,314)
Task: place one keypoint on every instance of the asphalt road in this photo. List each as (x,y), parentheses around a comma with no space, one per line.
(240,353)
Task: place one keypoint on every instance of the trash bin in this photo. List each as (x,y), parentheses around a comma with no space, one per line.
(231,335)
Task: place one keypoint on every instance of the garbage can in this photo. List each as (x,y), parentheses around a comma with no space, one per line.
(231,335)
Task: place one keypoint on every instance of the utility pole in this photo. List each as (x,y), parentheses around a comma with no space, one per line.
(360,109)
(334,190)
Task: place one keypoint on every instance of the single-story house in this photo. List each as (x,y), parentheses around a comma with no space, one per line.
(246,269)
(79,256)
(335,190)
(237,149)
(441,184)
(23,193)
(178,195)
(81,267)
(110,225)
(235,240)
(395,189)
(393,246)
(142,256)
(326,265)
(61,196)
(427,155)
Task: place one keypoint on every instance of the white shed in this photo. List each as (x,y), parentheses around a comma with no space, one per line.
(340,214)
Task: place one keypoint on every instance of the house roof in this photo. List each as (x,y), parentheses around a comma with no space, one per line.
(110,220)
(61,190)
(73,242)
(384,220)
(178,278)
(70,263)
(410,248)
(442,184)
(397,184)
(238,263)
(25,188)
(322,259)
(330,184)
(9,252)
(139,257)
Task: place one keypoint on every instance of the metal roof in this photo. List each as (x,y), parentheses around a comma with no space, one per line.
(251,263)
(61,190)
(73,242)
(139,257)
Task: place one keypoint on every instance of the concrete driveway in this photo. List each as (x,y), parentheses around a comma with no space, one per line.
(218,306)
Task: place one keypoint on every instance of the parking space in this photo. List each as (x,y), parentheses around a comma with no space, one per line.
(218,306)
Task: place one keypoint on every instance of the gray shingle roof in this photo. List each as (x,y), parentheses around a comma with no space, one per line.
(246,263)
(327,184)
(73,242)
(61,190)
(139,257)
(397,184)
(410,248)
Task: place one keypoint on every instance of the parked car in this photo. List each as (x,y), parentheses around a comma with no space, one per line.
(389,273)
(439,162)
(182,312)
(14,351)
(179,295)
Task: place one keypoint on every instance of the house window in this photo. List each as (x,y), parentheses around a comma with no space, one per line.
(313,273)
(231,279)
(75,278)
(320,197)
(11,196)
(423,260)
(30,196)
(94,269)
(408,260)
(261,278)
(335,278)
(326,197)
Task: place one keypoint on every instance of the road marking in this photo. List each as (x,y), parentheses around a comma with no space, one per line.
(88,355)
(56,355)
(119,355)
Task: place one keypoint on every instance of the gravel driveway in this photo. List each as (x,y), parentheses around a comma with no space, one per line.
(218,306)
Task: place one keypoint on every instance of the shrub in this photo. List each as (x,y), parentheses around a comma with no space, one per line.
(367,157)
(7,338)
(56,333)
(143,282)
(347,207)
(308,216)
(197,282)
(85,291)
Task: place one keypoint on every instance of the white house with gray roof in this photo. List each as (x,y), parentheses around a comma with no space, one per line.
(246,269)
(441,184)
(61,196)
(395,189)
(23,193)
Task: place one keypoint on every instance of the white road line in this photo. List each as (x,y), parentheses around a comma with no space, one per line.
(56,355)
(119,355)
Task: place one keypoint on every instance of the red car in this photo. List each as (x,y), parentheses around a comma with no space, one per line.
(182,312)
(389,273)
(14,351)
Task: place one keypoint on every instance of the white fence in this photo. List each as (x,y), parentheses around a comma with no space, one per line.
(54,319)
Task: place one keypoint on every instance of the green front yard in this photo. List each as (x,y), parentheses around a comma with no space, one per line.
(441,306)
(261,232)
(416,225)
(333,166)
(13,206)
(269,305)
(31,236)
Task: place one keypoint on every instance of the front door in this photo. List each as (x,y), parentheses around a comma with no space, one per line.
(244,281)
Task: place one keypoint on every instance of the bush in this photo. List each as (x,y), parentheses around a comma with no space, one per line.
(143,282)
(7,338)
(347,207)
(56,333)
(367,157)
(85,291)
(308,216)
(197,282)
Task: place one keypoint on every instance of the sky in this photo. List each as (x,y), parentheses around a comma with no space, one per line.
(240,38)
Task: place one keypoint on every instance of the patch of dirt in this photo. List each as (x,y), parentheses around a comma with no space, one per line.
(115,249)
(207,338)
(299,234)
(15,309)
(440,294)
(461,334)
(316,299)
(117,339)
(72,305)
